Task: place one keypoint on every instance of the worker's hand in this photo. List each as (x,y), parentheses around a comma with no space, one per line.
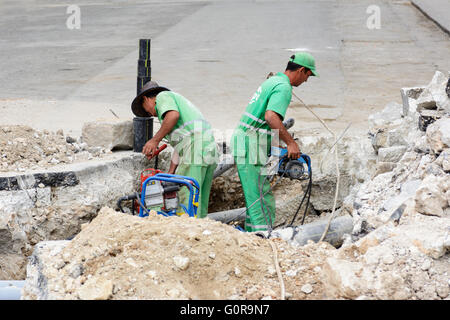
(150,148)
(293,150)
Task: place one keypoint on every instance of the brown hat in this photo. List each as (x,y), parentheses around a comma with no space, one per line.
(149,87)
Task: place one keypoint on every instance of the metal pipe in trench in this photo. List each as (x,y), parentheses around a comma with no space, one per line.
(313,231)
(298,235)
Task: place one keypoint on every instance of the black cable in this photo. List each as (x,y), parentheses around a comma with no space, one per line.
(307,193)
(307,202)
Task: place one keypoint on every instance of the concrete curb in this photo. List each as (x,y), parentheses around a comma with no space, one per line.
(431,11)
(61,176)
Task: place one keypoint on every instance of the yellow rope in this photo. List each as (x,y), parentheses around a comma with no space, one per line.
(337,167)
(277,267)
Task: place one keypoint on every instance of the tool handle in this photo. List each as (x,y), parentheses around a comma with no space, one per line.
(158,151)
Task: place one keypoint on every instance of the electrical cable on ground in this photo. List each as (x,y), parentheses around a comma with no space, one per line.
(272,244)
(277,268)
(307,193)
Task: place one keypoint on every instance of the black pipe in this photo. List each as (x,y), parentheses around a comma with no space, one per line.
(125,198)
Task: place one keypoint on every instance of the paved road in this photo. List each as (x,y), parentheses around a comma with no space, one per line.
(216,53)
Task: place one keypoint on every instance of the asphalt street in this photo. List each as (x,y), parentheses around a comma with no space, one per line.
(216,53)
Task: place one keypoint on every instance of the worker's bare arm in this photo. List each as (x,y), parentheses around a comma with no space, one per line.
(174,162)
(274,121)
(170,120)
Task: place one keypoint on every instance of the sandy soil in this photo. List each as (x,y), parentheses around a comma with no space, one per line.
(127,257)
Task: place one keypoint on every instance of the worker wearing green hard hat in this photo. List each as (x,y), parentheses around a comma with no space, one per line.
(251,140)
(183,125)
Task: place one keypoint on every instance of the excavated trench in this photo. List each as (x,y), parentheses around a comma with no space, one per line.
(69,183)
(53,202)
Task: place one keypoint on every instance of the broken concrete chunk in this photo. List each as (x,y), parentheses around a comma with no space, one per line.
(426,101)
(389,137)
(307,288)
(438,135)
(181,263)
(383,167)
(409,95)
(437,87)
(430,200)
(96,289)
(432,244)
(391,154)
(444,160)
(109,134)
(341,278)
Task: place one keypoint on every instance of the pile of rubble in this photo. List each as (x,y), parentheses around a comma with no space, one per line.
(51,183)
(23,148)
(401,235)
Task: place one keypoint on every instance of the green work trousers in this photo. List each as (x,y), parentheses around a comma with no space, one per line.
(255,219)
(204,176)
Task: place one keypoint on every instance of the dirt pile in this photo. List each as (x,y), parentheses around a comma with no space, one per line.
(118,256)
(23,148)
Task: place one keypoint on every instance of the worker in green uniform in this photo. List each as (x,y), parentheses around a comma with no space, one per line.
(183,125)
(252,138)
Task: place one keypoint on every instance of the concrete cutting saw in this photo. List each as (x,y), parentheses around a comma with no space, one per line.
(298,169)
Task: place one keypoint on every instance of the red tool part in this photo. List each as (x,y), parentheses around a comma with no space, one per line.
(148,173)
(157,151)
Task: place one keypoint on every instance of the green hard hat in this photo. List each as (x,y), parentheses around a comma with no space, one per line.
(305,60)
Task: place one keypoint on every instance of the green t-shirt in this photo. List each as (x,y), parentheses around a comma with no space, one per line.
(252,137)
(192,135)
